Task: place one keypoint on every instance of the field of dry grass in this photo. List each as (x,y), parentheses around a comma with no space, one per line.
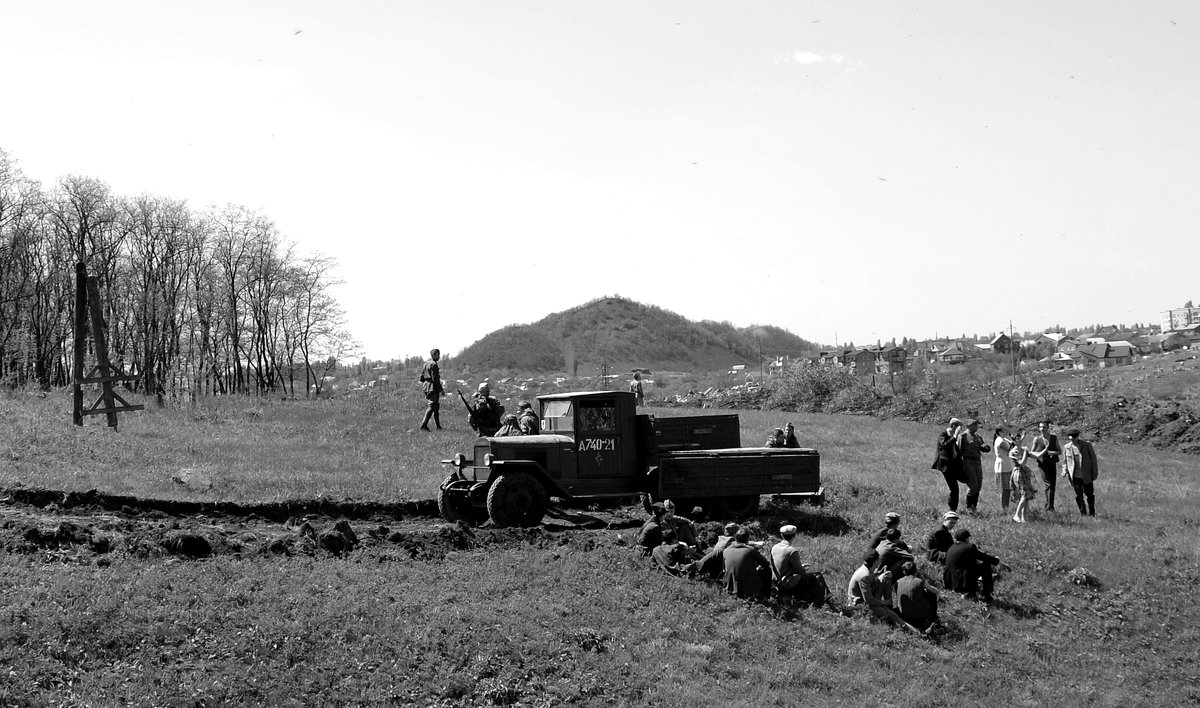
(421,614)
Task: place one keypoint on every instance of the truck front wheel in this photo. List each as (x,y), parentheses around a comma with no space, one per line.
(516,499)
(454,506)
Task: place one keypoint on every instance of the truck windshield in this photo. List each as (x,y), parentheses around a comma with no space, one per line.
(557,417)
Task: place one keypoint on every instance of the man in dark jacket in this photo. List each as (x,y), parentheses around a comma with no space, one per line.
(431,384)
(970,448)
(747,571)
(672,556)
(948,460)
(941,539)
(968,569)
(891,520)
(651,534)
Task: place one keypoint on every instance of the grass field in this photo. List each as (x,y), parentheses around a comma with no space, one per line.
(421,614)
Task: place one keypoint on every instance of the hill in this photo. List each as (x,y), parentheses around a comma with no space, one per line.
(624,335)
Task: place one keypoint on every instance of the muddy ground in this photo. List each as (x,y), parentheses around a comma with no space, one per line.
(94,528)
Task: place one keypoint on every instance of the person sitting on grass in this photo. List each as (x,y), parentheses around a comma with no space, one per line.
(876,592)
(941,539)
(651,534)
(893,552)
(916,600)
(712,564)
(672,555)
(968,569)
(747,572)
(853,593)
(891,520)
(683,527)
(792,576)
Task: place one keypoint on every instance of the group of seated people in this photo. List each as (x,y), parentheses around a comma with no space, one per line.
(673,544)
(887,583)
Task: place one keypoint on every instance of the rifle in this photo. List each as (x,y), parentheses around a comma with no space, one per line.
(470,411)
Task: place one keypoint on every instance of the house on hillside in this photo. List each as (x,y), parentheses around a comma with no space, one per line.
(1058,361)
(1102,355)
(1051,339)
(1002,344)
(894,359)
(1168,341)
(956,353)
(1068,345)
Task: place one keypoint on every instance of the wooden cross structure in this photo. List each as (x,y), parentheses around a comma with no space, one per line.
(87,299)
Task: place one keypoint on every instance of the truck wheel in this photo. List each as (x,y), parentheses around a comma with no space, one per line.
(736,507)
(516,499)
(454,508)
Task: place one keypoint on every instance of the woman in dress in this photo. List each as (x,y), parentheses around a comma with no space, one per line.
(1002,445)
(1022,476)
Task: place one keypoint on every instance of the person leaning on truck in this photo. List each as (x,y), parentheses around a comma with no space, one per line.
(487,411)
(431,384)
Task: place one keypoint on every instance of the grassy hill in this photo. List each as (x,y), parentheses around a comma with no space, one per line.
(624,335)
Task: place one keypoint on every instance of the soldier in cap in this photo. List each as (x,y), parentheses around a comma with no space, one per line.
(431,384)
(487,411)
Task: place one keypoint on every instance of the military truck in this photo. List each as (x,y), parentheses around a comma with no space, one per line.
(595,445)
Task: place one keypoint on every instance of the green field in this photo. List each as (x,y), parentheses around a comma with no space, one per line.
(422,613)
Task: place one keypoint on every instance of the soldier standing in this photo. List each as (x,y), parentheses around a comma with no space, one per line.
(431,383)
(635,387)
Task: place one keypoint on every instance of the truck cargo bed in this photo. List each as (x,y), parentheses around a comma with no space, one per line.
(739,471)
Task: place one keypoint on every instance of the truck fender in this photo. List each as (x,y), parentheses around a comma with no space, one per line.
(552,487)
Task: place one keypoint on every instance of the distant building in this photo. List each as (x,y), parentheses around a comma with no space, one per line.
(1180,318)
(1001,344)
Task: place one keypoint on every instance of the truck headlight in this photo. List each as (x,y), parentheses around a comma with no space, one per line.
(459,461)
(487,460)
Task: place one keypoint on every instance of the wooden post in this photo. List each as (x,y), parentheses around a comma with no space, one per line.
(87,298)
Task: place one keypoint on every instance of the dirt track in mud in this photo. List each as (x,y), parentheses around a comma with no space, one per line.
(93,528)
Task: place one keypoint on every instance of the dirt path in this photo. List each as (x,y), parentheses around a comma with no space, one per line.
(93,528)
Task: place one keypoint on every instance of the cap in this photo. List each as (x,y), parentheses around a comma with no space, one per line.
(891,516)
(973,421)
(950,515)
(955,421)
(524,404)
(787,530)
(658,506)
(1073,433)
(730,528)
(484,386)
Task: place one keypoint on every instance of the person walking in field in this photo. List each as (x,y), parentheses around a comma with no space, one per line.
(1081,467)
(1002,445)
(1046,451)
(971,446)
(431,384)
(948,461)
(635,387)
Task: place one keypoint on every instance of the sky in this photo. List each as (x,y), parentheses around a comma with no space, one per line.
(851,172)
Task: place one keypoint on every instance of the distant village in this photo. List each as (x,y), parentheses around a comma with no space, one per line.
(1105,347)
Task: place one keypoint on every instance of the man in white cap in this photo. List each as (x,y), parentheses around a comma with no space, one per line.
(941,539)
(948,461)
(486,413)
(792,576)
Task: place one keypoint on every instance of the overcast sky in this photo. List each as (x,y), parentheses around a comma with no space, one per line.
(852,170)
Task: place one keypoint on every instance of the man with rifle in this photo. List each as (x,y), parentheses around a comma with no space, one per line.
(485,413)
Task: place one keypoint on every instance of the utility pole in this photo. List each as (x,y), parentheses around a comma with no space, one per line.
(1012,349)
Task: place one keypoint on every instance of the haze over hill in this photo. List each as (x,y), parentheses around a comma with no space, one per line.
(624,335)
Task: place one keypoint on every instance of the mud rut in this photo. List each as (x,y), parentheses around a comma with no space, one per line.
(94,528)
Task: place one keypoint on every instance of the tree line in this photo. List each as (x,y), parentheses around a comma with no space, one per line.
(195,302)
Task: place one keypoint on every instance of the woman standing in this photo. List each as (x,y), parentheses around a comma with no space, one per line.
(1002,445)
(1022,476)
